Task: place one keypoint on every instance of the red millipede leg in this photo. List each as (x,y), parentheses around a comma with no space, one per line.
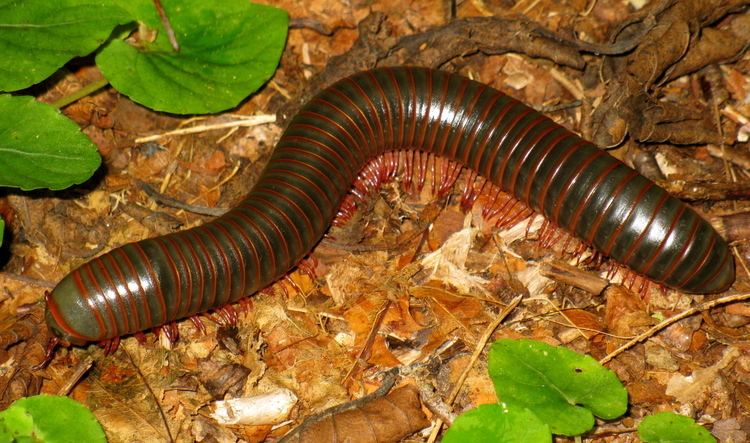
(141,337)
(49,353)
(307,266)
(110,346)
(198,322)
(226,316)
(170,332)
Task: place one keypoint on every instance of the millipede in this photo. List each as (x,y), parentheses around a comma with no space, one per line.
(571,182)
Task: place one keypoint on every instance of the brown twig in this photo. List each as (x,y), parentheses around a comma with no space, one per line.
(674,319)
(474,357)
(167,25)
(81,368)
(174,203)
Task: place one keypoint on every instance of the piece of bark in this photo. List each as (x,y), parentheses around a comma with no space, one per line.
(571,275)
(439,45)
(733,227)
(707,191)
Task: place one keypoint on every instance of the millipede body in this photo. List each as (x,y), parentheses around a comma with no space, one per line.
(556,173)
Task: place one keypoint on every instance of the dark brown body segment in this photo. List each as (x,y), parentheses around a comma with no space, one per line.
(567,179)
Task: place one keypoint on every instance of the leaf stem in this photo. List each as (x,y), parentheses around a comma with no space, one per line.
(79,94)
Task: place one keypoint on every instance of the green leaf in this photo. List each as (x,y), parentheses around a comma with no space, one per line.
(227,51)
(38,37)
(668,427)
(49,419)
(498,424)
(563,388)
(40,148)
(2,230)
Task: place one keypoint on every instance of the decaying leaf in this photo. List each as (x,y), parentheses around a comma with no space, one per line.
(382,420)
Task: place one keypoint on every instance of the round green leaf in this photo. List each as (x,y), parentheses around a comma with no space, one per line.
(40,148)
(498,424)
(49,419)
(668,427)
(37,38)
(561,387)
(227,51)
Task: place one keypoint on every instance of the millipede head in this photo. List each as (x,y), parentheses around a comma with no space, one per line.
(68,316)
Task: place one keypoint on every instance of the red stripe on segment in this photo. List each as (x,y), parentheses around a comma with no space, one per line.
(367,144)
(348,163)
(272,224)
(173,267)
(593,188)
(482,145)
(435,126)
(54,311)
(572,149)
(387,144)
(400,119)
(312,204)
(117,301)
(183,310)
(525,158)
(344,116)
(427,104)
(710,278)
(319,130)
(196,264)
(249,244)
(274,207)
(677,260)
(227,266)
(477,122)
(616,192)
(301,177)
(569,184)
(197,234)
(294,205)
(455,125)
(339,127)
(129,298)
(156,284)
(263,238)
(500,145)
(626,220)
(413,119)
(462,127)
(102,302)
(631,250)
(335,170)
(83,290)
(516,142)
(136,279)
(315,171)
(551,144)
(658,250)
(699,264)
(378,141)
(238,254)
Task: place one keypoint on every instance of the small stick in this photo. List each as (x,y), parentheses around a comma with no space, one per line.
(82,368)
(169,201)
(253,120)
(167,25)
(474,357)
(674,319)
